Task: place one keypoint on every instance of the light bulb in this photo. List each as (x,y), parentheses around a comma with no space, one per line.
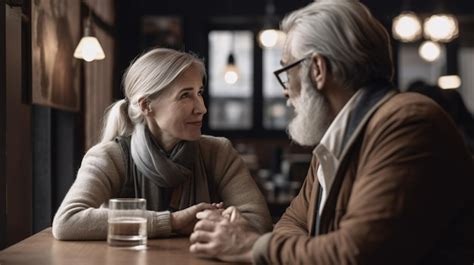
(89,49)
(406,27)
(443,28)
(449,81)
(430,51)
(270,38)
(231,75)
(278,110)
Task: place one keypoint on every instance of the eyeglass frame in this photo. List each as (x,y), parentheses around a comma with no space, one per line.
(288,67)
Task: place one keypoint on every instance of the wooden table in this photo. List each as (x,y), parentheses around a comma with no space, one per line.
(42,248)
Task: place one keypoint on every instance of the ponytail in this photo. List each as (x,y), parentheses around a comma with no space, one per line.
(117,121)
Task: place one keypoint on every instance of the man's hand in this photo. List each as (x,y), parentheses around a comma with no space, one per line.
(226,235)
(183,221)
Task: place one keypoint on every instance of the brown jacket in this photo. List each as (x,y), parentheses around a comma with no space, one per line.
(402,195)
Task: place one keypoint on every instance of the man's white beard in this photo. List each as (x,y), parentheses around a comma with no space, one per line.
(312,117)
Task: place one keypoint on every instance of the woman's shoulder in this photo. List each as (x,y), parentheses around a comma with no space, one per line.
(105,151)
(209,142)
(109,147)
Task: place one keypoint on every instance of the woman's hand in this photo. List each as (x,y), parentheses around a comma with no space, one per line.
(183,221)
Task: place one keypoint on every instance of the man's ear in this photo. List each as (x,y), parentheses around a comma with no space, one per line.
(319,71)
(145,107)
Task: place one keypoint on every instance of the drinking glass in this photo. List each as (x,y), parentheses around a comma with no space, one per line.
(127,223)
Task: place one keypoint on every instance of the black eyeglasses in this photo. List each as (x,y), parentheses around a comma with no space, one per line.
(282,74)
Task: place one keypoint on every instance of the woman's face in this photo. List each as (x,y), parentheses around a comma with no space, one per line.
(179,110)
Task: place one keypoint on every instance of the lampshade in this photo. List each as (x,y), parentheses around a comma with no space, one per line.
(441,27)
(406,27)
(89,49)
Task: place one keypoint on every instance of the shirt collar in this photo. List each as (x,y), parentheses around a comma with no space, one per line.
(333,138)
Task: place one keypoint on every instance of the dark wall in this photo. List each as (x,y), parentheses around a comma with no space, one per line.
(56,151)
(16,133)
(2,128)
(42,167)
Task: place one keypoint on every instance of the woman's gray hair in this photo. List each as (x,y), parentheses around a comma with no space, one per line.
(146,77)
(355,45)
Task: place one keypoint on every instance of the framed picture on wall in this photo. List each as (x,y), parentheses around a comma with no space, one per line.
(55,31)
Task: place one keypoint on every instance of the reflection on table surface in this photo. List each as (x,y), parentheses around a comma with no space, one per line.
(42,248)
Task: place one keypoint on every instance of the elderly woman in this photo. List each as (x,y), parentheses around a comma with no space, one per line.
(152,148)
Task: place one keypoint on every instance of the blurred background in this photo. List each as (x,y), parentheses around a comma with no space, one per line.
(61,63)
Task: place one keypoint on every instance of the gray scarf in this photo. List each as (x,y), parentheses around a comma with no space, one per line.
(152,161)
(152,173)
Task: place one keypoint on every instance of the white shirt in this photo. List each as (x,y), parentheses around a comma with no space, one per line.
(328,151)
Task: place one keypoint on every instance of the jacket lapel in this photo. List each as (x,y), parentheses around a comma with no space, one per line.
(373,96)
(312,211)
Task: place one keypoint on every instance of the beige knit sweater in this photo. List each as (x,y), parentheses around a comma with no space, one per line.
(82,215)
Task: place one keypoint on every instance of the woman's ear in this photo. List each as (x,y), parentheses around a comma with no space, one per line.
(319,71)
(145,107)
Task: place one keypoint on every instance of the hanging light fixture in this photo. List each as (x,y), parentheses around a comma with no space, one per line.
(231,72)
(441,27)
(430,51)
(449,81)
(406,27)
(89,48)
(269,36)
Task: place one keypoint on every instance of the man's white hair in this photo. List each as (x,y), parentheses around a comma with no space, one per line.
(355,45)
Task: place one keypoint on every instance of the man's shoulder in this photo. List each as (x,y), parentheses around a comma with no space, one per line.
(408,106)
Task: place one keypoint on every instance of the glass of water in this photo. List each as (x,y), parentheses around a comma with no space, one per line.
(127,223)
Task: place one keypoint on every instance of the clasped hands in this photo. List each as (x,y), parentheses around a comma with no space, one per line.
(183,221)
(223,234)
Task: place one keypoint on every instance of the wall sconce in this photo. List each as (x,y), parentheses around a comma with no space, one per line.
(441,27)
(406,27)
(89,48)
(231,72)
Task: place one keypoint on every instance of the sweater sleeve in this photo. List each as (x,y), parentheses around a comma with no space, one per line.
(81,215)
(237,188)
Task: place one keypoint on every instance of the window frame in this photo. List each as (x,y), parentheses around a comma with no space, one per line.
(258,129)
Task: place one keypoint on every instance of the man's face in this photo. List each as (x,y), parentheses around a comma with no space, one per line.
(293,80)
(312,117)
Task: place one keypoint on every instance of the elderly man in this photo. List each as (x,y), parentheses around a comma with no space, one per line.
(391,179)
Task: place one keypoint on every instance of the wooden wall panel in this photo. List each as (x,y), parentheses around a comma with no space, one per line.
(98,85)
(18,136)
(2,129)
